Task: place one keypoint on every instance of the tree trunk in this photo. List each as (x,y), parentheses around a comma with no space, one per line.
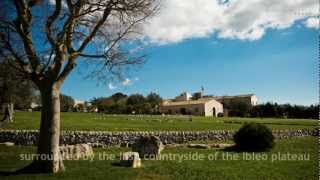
(49,158)
(11,111)
(8,110)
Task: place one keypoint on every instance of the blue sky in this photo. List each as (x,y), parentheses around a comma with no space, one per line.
(281,66)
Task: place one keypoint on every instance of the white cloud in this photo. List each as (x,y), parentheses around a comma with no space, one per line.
(312,23)
(126,82)
(233,19)
(111,86)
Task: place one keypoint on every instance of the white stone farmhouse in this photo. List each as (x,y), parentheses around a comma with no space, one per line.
(201,107)
(187,104)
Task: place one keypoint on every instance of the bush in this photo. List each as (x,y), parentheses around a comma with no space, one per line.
(254,137)
(220,114)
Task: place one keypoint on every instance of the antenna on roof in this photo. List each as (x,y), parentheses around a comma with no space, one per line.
(202,91)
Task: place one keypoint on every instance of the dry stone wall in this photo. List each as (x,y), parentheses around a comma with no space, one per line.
(126,138)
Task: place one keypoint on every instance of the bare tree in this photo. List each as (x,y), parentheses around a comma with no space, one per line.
(45,39)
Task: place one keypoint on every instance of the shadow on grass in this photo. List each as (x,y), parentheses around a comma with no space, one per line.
(19,172)
(31,168)
(15,173)
(231,149)
(116,164)
(6,173)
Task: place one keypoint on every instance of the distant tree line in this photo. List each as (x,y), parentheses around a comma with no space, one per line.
(285,111)
(120,103)
(266,110)
(66,103)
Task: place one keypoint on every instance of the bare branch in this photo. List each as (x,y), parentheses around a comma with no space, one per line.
(105,15)
(50,21)
(22,24)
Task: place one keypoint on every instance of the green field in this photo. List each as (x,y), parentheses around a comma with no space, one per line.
(103,122)
(190,169)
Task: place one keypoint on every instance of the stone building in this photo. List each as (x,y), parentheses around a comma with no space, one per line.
(201,107)
(204,105)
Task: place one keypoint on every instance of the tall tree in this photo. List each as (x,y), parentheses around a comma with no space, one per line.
(118,96)
(66,102)
(45,39)
(154,100)
(136,99)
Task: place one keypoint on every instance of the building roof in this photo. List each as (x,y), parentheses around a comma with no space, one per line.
(203,100)
(190,102)
(227,97)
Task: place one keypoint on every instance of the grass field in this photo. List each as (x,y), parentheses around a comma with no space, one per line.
(94,121)
(189,169)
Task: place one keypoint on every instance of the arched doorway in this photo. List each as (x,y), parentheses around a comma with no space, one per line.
(214,112)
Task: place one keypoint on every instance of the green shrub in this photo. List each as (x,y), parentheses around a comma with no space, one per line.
(254,137)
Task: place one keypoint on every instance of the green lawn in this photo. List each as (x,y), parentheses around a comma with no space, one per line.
(190,169)
(94,121)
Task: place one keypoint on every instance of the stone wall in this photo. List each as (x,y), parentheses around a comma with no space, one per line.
(30,137)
